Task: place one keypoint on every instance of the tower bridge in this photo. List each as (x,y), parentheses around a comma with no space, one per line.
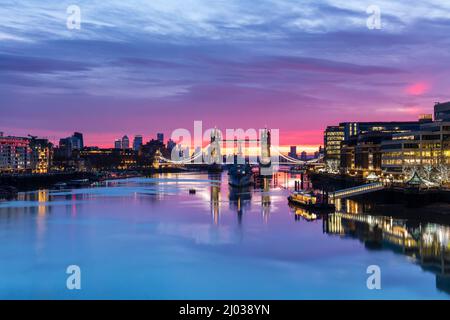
(268,154)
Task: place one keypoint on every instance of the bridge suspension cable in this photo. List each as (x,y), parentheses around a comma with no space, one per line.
(293,160)
(185,161)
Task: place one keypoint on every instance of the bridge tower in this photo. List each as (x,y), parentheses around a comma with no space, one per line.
(265,156)
(156,160)
(214,152)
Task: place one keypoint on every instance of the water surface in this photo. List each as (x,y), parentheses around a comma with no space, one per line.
(148,238)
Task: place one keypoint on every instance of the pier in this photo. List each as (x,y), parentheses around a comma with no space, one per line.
(358,190)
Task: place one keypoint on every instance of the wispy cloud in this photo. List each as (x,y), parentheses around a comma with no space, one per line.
(294,64)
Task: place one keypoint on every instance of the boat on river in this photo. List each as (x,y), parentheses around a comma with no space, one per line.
(311,201)
(240,175)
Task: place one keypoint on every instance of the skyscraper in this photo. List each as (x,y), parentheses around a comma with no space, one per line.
(118,144)
(303,156)
(333,137)
(293,152)
(79,137)
(137,142)
(170,145)
(160,137)
(125,142)
(15,154)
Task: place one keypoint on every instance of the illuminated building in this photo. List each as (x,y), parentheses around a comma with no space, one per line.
(333,137)
(41,155)
(429,146)
(15,154)
(357,145)
(109,159)
(69,144)
(352,129)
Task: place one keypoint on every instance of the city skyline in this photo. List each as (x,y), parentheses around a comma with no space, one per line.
(144,68)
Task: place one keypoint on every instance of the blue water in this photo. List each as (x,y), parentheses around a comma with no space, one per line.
(150,239)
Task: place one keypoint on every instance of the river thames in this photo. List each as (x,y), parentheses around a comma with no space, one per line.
(149,238)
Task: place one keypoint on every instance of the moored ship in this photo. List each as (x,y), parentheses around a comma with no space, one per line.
(240,175)
(310,200)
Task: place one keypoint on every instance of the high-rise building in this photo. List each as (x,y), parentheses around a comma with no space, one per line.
(352,129)
(41,155)
(69,144)
(333,137)
(15,154)
(125,142)
(160,137)
(303,156)
(170,145)
(137,142)
(79,137)
(293,152)
(442,111)
(118,144)
(427,147)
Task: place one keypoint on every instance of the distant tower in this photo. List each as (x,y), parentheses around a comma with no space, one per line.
(137,142)
(170,145)
(264,159)
(293,152)
(156,159)
(125,142)
(214,147)
(303,156)
(79,136)
(118,144)
(160,137)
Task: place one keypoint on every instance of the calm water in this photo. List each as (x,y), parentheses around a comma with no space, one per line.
(148,238)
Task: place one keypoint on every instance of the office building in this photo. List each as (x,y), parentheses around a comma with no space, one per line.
(170,145)
(15,154)
(118,144)
(160,137)
(137,142)
(442,111)
(41,155)
(68,145)
(333,136)
(355,128)
(293,152)
(125,142)
(303,156)
(79,140)
(427,147)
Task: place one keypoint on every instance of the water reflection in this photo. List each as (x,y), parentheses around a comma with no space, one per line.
(235,226)
(240,200)
(215,197)
(426,244)
(265,199)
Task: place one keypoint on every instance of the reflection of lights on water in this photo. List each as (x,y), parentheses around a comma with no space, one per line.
(42,199)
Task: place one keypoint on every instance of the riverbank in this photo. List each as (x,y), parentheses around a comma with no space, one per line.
(30,181)
(23,182)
